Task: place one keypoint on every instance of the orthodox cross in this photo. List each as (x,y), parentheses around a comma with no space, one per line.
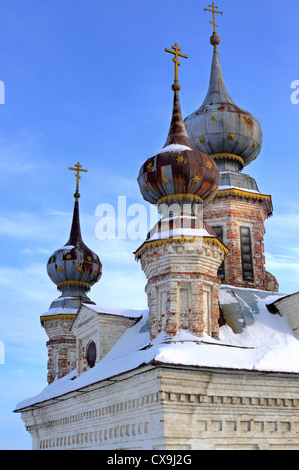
(78,168)
(213,11)
(176,51)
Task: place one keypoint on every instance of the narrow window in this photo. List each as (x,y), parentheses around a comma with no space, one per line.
(246,254)
(219,235)
(91,354)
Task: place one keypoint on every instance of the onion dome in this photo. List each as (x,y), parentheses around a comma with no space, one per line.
(178,168)
(219,127)
(74,268)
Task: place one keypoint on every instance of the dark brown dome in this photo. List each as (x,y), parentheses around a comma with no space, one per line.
(74,264)
(178,168)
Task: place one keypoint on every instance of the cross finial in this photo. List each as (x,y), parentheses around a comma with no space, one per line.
(214,11)
(176,51)
(77,168)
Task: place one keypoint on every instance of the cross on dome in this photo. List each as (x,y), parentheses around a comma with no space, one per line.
(214,11)
(176,51)
(78,168)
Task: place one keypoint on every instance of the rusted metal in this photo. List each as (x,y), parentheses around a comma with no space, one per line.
(74,266)
(181,170)
(220,126)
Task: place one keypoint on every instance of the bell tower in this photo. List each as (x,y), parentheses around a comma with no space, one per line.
(181,255)
(233,139)
(74,268)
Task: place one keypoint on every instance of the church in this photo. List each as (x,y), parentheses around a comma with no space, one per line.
(212,363)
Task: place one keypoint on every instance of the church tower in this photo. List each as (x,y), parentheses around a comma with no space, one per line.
(74,268)
(233,139)
(182,254)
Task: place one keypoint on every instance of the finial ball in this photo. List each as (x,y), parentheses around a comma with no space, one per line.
(176,87)
(215,39)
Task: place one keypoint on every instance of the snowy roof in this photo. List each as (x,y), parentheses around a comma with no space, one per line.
(181,232)
(173,148)
(264,342)
(121,312)
(227,187)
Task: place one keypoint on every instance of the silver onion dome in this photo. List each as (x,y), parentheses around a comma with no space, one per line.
(219,127)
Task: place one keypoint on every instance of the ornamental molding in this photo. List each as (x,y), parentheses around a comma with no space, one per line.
(69,316)
(230,156)
(212,241)
(180,197)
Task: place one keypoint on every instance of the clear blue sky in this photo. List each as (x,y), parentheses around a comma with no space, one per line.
(89,81)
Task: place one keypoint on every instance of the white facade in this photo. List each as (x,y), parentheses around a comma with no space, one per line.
(240,391)
(173,408)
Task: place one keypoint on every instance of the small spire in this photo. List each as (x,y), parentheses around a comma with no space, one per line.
(176,51)
(75,235)
(217,92)
(177,133)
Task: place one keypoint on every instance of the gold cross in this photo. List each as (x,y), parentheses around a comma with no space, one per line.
(176,51)
(213,11)
(78,168)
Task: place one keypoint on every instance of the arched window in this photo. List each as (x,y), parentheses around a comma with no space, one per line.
(91,354)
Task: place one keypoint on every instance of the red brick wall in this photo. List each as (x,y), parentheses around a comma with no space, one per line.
(233,212)
(183,288)
(60,343)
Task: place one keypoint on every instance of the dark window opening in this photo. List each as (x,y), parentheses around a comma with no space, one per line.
(91,354)
(219,234)
(246,254)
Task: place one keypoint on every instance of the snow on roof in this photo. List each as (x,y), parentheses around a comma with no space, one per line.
(181,232)
(172,148)
(225,187)
(122,312)
(266,343)
(60,311)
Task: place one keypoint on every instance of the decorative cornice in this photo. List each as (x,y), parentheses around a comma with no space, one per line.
(247,195)
(180,197)
(74,283)
(62,316)
(230,156)
(169,241)
(241,193)
(215,241)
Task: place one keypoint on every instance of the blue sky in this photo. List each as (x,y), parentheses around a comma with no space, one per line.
(89,81)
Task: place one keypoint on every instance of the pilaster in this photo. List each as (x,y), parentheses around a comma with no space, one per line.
(183,287)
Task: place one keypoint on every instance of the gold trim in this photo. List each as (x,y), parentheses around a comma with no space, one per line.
(239,192)
(180,197)
(74,283)
(215,241)
(77,168)
(62,316)
(169,241)
(176,51)
(213,11)
(230,156)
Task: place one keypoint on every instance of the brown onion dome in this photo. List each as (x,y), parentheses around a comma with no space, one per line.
(74,268)
(178,168)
